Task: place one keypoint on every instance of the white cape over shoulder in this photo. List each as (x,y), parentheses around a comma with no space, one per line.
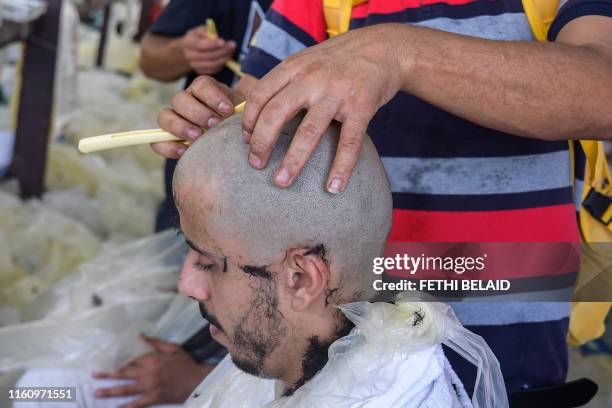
(392,358)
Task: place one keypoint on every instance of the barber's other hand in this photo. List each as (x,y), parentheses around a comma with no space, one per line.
(198,108)
(347,78)
(165,376)
(206,55)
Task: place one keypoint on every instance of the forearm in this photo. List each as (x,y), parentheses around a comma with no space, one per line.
(541,90)
(162,58)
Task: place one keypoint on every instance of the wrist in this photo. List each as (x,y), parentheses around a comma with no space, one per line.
(177,47)
(405,52)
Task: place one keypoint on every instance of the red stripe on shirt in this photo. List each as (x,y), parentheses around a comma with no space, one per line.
(544,224)
(395,6)
(305,14)
(499,260)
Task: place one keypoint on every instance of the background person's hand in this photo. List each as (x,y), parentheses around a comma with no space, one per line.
(198,108)
(165,376)
(347,78)
(206,55)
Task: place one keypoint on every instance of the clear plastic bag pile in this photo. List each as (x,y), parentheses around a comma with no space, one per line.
(92,319)
(90,202)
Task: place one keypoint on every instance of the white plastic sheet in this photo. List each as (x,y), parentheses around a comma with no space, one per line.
(392,358)
(119,195)
(92,319)
(38,247)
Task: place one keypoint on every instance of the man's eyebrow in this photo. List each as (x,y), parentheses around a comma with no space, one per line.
(198,250)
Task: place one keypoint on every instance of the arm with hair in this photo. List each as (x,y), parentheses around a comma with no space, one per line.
(162,58)
(548,91)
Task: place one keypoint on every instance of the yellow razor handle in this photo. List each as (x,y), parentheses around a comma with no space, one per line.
(211,31)
(211,28)
(133,138)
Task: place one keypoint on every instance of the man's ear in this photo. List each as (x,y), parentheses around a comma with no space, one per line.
(307,277)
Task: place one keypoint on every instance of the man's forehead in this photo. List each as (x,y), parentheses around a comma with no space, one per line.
(208,223)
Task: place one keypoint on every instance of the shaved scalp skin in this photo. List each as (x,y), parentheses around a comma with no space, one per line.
(349,229)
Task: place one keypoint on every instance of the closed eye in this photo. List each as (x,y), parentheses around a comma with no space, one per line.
(203,267)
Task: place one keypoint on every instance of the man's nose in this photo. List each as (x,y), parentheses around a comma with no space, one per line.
(192,282)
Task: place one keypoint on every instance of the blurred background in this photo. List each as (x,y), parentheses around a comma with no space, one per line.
(69,70)
(58,207)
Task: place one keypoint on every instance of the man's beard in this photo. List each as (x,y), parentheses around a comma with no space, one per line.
(259,332)
(316,355)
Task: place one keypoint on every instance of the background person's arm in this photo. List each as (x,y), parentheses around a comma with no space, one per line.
(168,58)
(162,58)
(167,375)
(550,91)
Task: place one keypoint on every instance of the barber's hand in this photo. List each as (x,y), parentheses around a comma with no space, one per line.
(198,108)
(347,78)
(166,376)
(206,55)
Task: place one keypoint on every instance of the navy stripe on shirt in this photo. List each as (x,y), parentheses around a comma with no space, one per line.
(540,346)
(445,10)
(574,9)
(259,63)
(482,202)
(410,127)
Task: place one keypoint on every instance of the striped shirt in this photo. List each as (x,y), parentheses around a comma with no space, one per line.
(455,181)
(452,180)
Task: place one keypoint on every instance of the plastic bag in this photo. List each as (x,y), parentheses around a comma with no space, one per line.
(92,319)
(43,247)
(392,358)
(120,196)
(141,268)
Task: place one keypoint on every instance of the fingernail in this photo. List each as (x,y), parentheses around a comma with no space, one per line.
(282,177)
(232,43)
(193,133)
(220,41)
(224,107)
(254,160)
(335,186)
(246,136)
(180,151)
(212,121)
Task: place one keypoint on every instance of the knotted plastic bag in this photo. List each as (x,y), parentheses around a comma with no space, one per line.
(392,358)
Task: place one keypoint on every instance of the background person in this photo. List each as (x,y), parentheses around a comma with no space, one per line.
(177,46)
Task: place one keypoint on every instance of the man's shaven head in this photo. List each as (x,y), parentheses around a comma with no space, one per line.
(268,264)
